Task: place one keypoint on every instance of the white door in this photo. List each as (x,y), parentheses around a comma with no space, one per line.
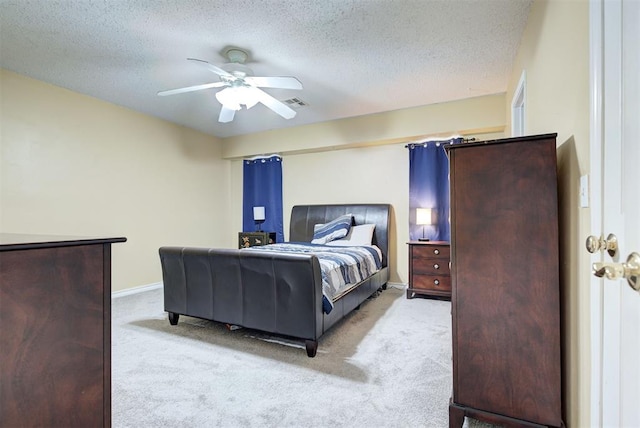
(615,177)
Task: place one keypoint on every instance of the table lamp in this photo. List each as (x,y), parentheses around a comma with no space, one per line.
(424,216)
(258,217)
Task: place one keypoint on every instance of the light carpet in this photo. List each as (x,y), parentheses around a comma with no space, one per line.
(385,365)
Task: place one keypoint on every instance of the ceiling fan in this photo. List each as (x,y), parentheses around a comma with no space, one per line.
(241,87)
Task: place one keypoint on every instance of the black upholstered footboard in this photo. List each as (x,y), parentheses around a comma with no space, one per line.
(277,293)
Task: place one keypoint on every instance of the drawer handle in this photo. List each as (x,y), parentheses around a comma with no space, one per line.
(436,281)
(436,251)
(436,266)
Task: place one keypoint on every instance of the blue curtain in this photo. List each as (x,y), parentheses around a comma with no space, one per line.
(262,187)
(429,188)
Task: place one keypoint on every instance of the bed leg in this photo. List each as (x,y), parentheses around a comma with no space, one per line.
(312,347)
(173,318)
(384,286)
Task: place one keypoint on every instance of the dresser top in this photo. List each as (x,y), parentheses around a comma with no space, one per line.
(526,139)
(428,242)
(19,241)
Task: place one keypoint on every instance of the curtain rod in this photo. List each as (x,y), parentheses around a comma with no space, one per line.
(262,157)
(464,140)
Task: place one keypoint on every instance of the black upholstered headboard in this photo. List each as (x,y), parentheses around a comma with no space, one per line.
(304,217)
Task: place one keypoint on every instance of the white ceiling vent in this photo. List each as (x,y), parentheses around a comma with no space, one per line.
(295,103)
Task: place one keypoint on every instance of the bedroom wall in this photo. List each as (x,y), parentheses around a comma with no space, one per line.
(74,165)
(363,175)
(358,160)
(471,116)
(554,53)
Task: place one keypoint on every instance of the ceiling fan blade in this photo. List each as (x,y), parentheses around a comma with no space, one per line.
(212,67)
(226,114)
(274,82)
(275,105)
(191,88)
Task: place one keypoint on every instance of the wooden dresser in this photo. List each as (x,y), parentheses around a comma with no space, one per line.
(505,282)
(429,269)
(55,339)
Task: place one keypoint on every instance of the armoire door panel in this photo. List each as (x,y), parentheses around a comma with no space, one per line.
(505,279)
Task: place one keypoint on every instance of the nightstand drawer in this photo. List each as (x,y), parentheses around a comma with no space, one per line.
(432,282)
(430,251)
(431,267)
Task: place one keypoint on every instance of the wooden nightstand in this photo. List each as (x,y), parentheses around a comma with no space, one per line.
(254,239)
(429,272)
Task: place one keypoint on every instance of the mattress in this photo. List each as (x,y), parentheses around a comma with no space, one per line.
(342,267)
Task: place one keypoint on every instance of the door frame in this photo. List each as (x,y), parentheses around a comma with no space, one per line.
(596,158)
(604,19)
(595,155)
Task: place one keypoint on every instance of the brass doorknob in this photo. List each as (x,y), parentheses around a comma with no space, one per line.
(610,245)
(630,270)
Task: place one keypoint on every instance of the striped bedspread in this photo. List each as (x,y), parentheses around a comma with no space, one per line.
(342,267)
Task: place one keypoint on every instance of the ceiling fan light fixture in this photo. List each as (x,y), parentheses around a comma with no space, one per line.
(235,96)
(248,96)
(227,99)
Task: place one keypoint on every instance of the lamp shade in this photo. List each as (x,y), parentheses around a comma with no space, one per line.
(258,213)
(424,216)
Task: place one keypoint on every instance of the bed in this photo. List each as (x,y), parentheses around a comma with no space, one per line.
(273,289)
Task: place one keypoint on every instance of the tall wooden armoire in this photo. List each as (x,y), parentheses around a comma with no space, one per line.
(505,282)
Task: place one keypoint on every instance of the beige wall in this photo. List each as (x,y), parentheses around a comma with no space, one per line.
(471,116)
(74,165)
(358,161)
(554,53)
(366,175)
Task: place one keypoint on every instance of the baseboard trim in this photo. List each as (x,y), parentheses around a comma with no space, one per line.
(398,285)
(136,290)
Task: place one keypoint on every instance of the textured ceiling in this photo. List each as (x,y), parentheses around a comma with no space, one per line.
(353,57)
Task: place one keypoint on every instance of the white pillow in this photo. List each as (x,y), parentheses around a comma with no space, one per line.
(358,235)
